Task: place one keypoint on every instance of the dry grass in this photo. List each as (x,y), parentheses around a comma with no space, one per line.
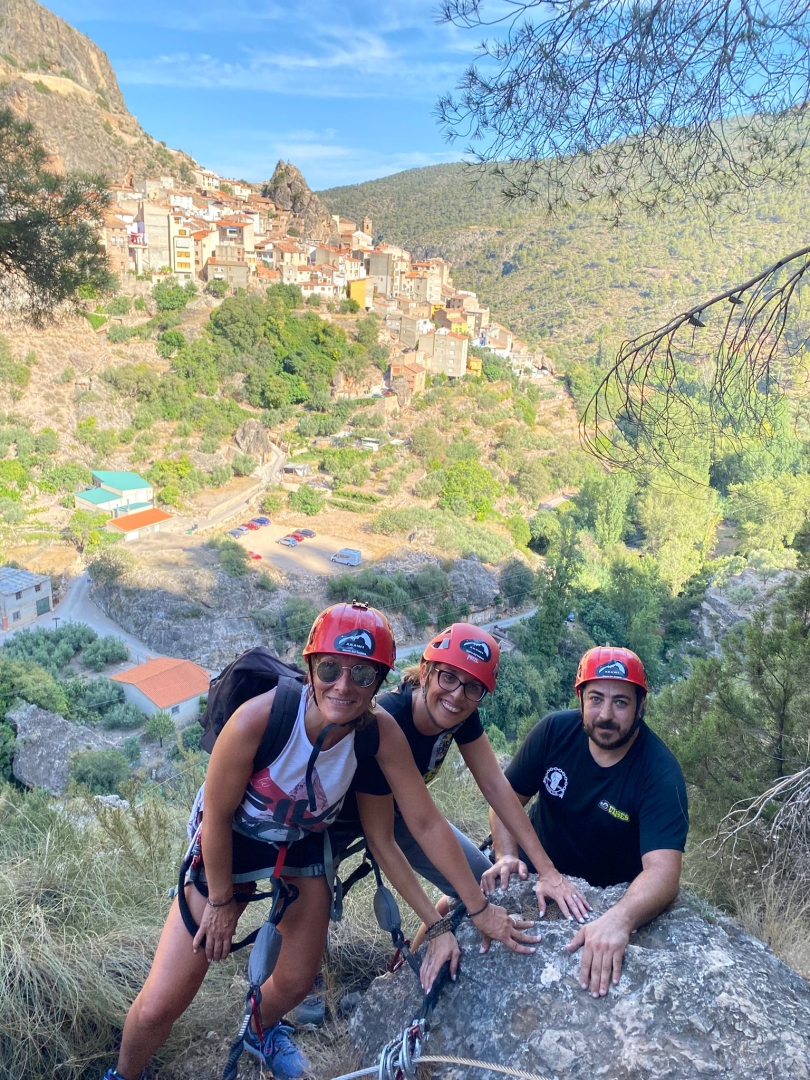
(81,908)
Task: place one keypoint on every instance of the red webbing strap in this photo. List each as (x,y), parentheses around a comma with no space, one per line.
(282,855)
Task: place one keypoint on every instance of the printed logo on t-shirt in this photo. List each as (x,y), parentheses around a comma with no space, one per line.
(613,669)
(438,754)
(555,781)
(356,641)
(620,815)
(476,649)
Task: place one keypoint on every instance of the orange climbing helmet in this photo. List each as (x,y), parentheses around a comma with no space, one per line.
(610,662)
(353,630)
(468,648)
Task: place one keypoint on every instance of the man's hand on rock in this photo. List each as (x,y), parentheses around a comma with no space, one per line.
(603,943)
(570,901)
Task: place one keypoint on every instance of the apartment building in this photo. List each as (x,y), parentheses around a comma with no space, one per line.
(445,353)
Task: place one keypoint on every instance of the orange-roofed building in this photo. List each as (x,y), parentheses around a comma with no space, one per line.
(138,524)
(166,683)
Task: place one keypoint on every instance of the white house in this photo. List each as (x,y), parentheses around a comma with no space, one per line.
(166,683)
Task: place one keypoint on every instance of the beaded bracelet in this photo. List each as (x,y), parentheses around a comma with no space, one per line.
(223,903)
(441,926)
(474,914)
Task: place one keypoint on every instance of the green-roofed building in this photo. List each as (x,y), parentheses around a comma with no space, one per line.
(133,487)
(116,493)
(99,500)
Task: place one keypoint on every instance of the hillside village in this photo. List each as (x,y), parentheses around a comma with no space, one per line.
(225,231)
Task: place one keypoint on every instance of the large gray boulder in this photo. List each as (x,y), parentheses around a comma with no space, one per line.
(252,438)
(473,583)
(45,741)
(698,998)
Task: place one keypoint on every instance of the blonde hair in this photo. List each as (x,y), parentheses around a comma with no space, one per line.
(412,675)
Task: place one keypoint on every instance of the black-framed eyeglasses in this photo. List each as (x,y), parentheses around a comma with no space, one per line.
(473,691)
(363,675)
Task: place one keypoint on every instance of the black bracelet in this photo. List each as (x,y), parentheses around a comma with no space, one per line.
(475,914)
(441,926)
(224,903)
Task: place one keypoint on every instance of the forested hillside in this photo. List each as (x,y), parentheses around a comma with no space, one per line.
(574,282)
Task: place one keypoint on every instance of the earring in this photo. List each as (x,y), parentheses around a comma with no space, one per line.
(373,704)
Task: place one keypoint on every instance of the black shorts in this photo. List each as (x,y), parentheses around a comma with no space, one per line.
(255,860)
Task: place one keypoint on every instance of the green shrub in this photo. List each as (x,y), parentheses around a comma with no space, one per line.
(104,651)
(119,305)
(100,771)
(296,619)
(217,288)
(131,749)
(96,695)
(190,736)
(266,583)
(169,296)
(233,558)
(7,744)
(307,501)
(140,304)
(122,717)
(273,501)
(243,464)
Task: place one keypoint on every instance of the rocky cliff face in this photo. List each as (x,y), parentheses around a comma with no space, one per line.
(289,190)
(698,997)
(45,741)
(58,79)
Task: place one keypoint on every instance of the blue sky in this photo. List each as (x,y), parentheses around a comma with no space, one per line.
(344,91)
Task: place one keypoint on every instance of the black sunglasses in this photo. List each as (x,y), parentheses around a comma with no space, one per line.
(362,675)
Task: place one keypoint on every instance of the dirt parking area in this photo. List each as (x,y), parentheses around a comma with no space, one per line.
(334,530)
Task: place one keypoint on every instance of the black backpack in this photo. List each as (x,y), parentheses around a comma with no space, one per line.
(256,672)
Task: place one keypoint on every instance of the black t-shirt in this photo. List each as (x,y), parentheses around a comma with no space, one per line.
(596,822)
(429,751)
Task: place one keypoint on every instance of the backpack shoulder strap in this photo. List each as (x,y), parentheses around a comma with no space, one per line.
(280,722)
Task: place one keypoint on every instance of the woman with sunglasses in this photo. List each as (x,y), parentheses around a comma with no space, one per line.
(248,812)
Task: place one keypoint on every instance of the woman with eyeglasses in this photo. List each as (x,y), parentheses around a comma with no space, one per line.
(435,704)
(249,812)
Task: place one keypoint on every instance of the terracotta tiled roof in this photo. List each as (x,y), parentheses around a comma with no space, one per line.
(130,522)
(166,681)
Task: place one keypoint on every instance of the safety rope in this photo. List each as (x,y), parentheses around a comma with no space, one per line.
(400,1058)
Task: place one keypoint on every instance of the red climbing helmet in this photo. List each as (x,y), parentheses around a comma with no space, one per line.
(608,662)
(468,648)
(353,630)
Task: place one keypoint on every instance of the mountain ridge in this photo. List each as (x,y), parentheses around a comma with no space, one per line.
(574,282)
(56,77)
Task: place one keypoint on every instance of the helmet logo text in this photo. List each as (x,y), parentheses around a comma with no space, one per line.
(360,642)
(476,649)
(613,669)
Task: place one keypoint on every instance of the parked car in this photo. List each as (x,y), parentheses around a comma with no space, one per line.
(261,520)
(250,525)
(240,530)
(288,541)
(304,532)
(347,557)
(299,536)
(254,555)
(235,533)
